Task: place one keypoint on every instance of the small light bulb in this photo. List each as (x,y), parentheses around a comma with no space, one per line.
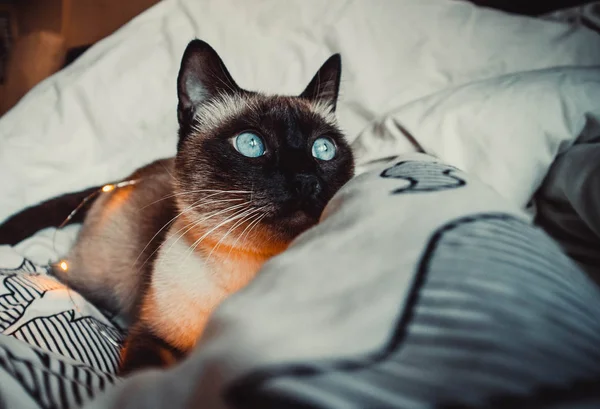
(63,265)
(107,188)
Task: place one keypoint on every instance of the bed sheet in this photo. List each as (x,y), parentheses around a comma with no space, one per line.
(432,75)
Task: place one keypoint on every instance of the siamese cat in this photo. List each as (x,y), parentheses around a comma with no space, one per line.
(252,171)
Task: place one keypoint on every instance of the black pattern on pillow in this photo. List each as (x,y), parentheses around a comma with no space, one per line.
(423,176)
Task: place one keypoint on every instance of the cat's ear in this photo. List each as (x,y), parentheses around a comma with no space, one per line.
(202,75)
(325,85)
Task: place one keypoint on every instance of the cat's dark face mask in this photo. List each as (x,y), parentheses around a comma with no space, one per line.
(256,170)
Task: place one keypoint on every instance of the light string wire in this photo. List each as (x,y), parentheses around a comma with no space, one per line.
(64,265)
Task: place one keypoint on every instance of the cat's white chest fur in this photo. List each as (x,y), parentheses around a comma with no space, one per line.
(186,287)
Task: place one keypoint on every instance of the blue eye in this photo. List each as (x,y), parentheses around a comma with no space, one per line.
(323,149)
(249,144)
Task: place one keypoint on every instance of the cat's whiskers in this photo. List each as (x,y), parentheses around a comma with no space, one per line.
(191,192)
(255,224)
(191,207)
(251,220)
(250,214)
(194,223)
(189,227)
(195,245)
(235,216)
(241,220)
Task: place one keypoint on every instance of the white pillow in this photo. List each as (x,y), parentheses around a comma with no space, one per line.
(506,130)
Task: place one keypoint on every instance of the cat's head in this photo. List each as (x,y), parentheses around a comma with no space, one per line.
(256,170)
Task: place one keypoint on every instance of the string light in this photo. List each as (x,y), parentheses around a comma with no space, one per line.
(104,189)
(64,265)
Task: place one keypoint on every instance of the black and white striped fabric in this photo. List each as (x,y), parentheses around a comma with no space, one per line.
(35,378)
(84,339)
(57,350)
(439,297)
(19,291)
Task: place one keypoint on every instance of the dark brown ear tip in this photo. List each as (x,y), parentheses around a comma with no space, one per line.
(197,46)
(197,43)
(333,65)
(335,59)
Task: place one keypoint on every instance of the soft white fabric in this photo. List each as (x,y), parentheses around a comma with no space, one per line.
(507,130)
(114,109)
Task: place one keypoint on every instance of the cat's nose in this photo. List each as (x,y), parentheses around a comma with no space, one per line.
(307,185)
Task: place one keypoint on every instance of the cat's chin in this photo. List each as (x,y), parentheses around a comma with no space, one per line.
(300,219)
(287,227)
